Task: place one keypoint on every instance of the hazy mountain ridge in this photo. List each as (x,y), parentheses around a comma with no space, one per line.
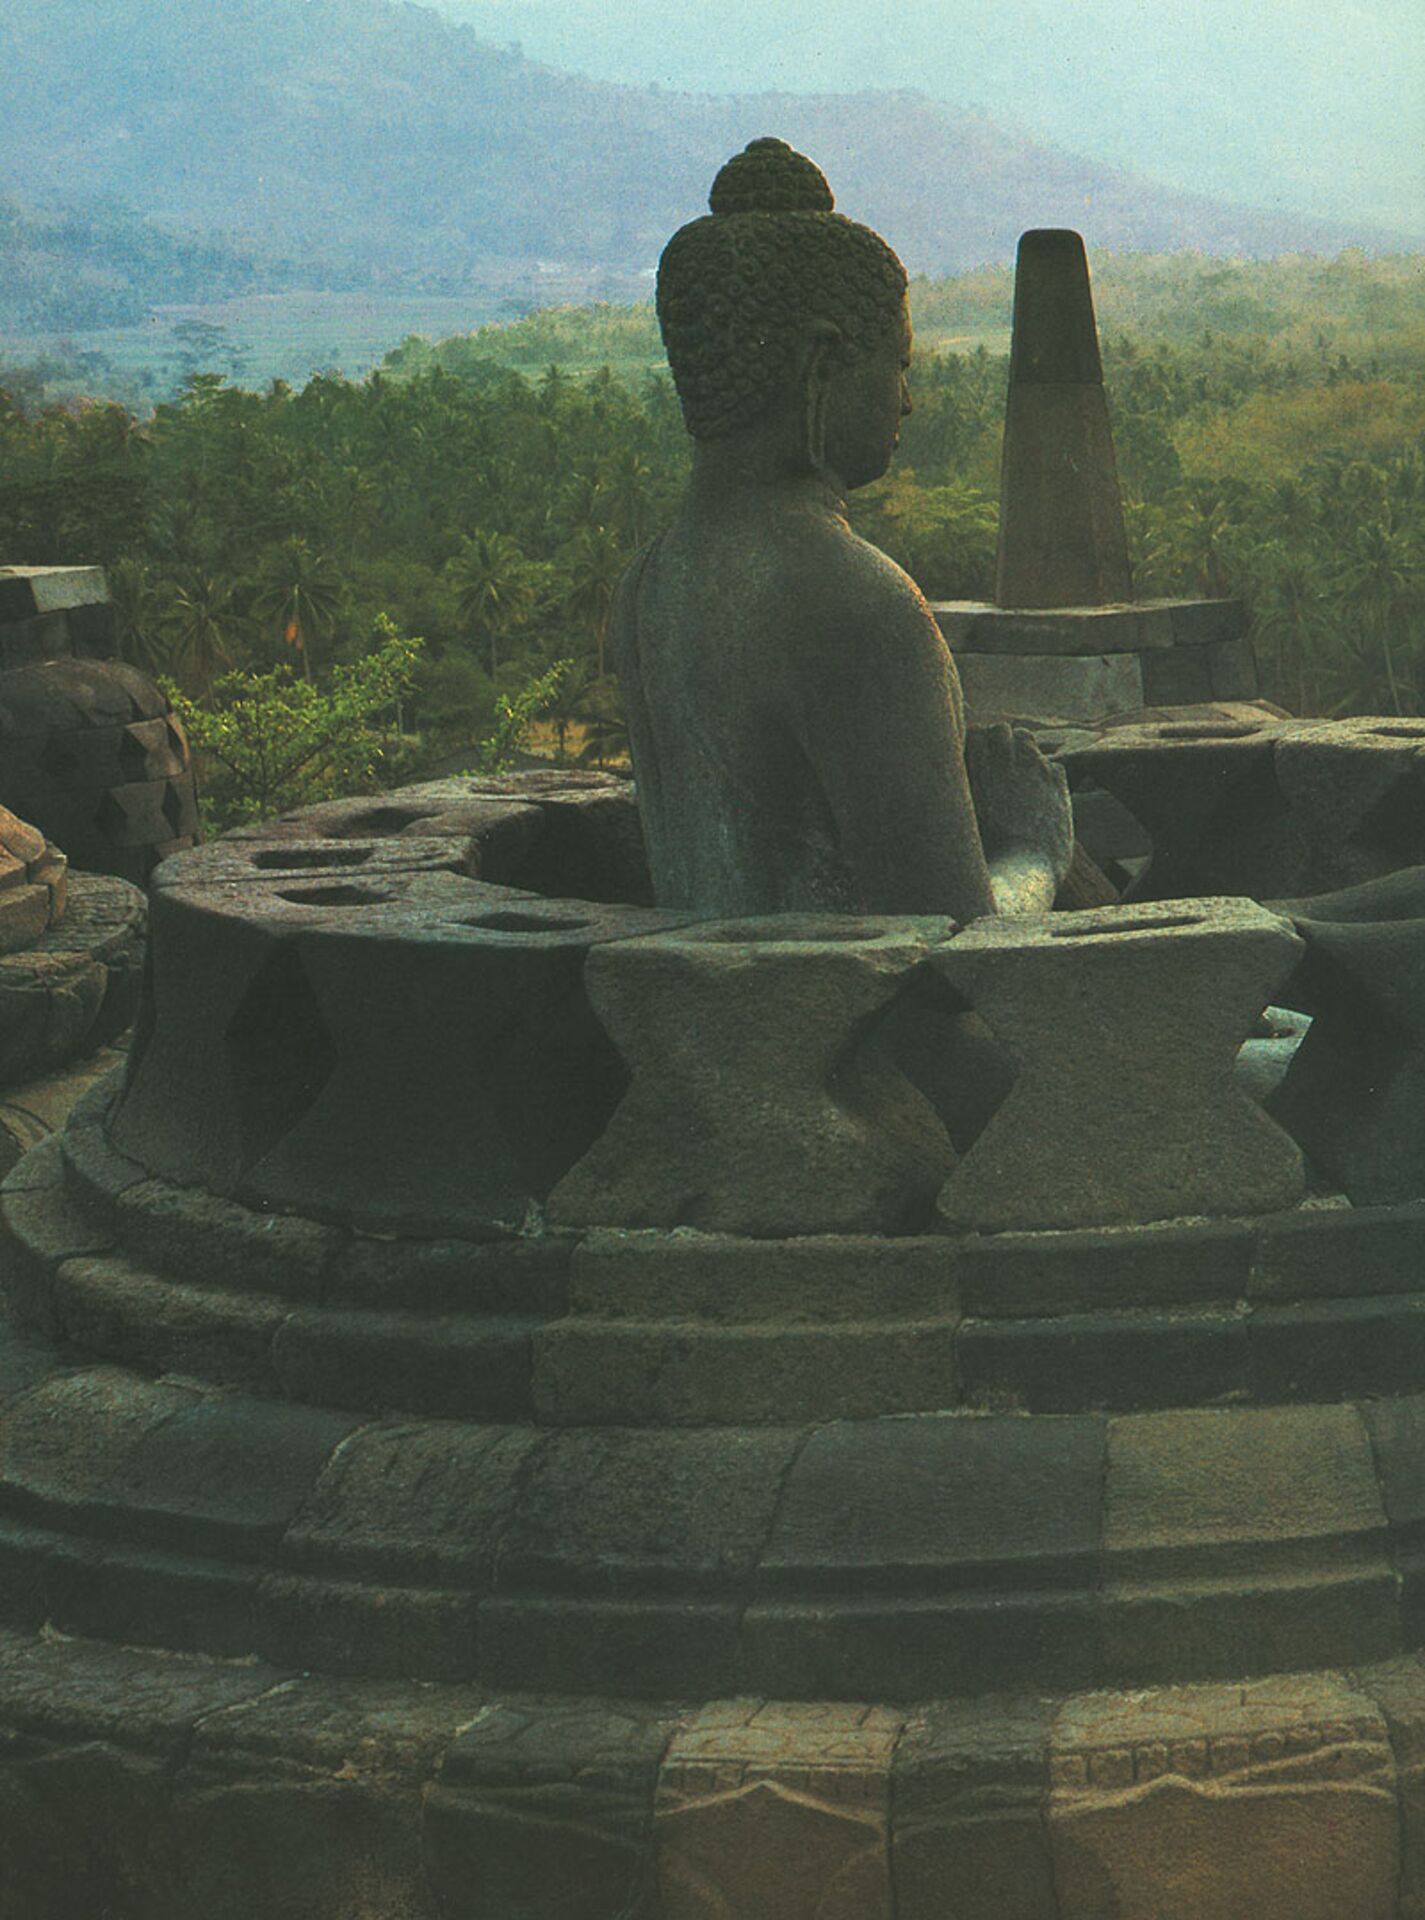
(336,139)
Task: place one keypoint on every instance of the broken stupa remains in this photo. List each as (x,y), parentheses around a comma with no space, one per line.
(1065,640)
(434,1484)
(90,749)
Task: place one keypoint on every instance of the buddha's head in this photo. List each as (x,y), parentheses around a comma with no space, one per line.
(775,306)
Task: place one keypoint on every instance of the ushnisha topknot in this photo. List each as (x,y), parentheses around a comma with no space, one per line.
(768,176)
(737,288)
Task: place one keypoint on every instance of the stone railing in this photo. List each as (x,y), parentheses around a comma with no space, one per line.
(625,1066)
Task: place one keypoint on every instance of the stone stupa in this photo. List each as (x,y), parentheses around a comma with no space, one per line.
(515,1409)
(1065,640)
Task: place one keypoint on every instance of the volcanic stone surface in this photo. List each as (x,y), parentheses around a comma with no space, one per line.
(373,1542)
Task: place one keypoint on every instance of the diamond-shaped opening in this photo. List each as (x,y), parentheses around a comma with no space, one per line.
(176,740)
(280,1054)
(1396,823)
(946,1052)
(58,760)
(172,806)
(133,757)
(110,820)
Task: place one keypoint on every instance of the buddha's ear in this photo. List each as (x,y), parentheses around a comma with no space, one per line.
(822,346)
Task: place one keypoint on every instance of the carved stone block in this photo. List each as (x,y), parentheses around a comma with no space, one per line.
(1085,688)
(1354,1094)
(751,1110)
(28,591)
(546,1812)
(1398,1688)
(339,1012)
(1206,790)
(310,1800)
(984,1561)
(1356,789)
(1239,1539)
(971,1833)
(777,1808)
(1124,1025)
(1277,1797)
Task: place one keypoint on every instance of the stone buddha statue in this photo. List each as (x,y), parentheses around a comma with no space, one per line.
(795,716)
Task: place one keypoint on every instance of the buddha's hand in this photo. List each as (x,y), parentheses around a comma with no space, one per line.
(1021,799)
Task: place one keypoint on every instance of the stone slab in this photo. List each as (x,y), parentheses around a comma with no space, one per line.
(983,1564)
(1052,688)
(1329,1349)
(1103,1124)
(372,1630)
(1219,1802)
(1011,1274)
(25,591)
(450,1365)
(1177,677)
(723,1278)
(42,1231)
(646,1647)
(1076,1362)
(113,1307)
(621,1510)
(406,1499)
(1325,1252)
(1244,1539)
(976,627)
(545,1811)
(971,1790)
(1397,1431)
(685,1373)
(778,1808)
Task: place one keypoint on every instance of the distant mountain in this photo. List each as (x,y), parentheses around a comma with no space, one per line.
(334,140)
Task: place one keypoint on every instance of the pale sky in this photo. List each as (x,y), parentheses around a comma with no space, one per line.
(1313,105)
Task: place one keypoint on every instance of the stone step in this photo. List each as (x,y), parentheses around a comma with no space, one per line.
(233,1788)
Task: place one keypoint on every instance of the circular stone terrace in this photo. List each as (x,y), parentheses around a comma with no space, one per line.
(523,1404)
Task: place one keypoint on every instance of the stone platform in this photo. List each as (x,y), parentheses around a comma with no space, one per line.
(196,1785)
(386,1531)
(1083,665)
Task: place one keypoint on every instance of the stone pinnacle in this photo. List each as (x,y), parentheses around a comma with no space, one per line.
(1061,536)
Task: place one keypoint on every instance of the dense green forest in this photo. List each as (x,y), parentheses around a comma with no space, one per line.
(485,497)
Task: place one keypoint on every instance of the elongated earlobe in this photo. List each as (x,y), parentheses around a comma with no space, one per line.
(818,366)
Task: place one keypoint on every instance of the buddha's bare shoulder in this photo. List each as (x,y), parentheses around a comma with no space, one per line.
(850,590)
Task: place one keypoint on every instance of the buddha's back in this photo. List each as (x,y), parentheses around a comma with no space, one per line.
(708,642)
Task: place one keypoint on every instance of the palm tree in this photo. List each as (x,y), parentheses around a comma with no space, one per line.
(566,706)
(300,592)
(1288,609)
(592,564)
(497,587)
(1207,517)
(1382,576)
(201,620)
(627,477)
(137,609)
